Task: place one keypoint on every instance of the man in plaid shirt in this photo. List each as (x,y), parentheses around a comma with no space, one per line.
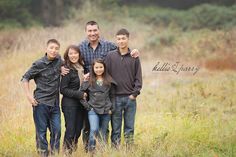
(93,47)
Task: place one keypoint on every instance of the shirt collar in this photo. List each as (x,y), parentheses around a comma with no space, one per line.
(47,61)
(126,53)
(100,42)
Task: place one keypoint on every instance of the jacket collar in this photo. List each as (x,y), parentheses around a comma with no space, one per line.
(47,61)
(124,54)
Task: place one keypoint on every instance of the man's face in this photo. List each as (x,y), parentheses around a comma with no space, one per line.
(122,41)
(52,50)
(92,32)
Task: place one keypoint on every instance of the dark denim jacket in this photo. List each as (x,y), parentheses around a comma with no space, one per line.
(101,98)
(46,75)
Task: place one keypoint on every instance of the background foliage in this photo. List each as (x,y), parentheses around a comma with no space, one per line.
(186,14)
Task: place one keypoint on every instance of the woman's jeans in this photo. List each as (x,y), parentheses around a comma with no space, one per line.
(47,117)
(98,128)
(74,119)
(125,108)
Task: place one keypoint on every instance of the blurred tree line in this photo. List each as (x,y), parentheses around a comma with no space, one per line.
(52,12)
(179,4)
(24,12)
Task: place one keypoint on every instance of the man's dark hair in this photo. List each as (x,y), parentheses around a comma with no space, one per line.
(123,32)
(53,41)
(91,23)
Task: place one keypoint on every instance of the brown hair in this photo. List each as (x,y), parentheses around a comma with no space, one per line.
(53,41)
(123,32)
(107,79)
(66,57)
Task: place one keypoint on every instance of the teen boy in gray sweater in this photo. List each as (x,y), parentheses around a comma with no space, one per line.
(127,73)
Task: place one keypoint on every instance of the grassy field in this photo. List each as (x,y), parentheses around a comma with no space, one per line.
(179,115)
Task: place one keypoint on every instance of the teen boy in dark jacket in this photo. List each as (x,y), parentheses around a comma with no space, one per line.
(45,100)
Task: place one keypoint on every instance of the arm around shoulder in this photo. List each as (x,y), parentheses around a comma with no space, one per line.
(113,96)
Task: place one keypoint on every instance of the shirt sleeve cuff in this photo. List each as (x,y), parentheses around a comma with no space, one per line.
(24,80)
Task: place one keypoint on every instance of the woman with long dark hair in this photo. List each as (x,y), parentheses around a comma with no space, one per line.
(74,112)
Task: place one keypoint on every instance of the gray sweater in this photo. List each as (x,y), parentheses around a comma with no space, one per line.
(126,71)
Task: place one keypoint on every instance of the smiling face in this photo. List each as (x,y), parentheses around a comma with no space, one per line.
(92,32)
(52,50)
(98,69)
(122,41)
(73,56)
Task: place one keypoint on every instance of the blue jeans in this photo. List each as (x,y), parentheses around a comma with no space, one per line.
(125,108)
(47,117)
(98,126)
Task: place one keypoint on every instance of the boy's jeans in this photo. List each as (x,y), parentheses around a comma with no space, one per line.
(98,125)
(47,117)
(125,107)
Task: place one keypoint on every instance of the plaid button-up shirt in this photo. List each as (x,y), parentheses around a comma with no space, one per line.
(46,75)
(89,54)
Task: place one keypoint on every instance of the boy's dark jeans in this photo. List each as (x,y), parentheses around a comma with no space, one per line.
(47,117)
(125,108)
(74,119)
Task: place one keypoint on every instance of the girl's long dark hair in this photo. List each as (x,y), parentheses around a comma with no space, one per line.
(66,57)
(107,79)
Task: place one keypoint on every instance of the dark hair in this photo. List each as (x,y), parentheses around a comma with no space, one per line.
(53,41)
(66,57)
(107,79)
(91,23)
(123,32)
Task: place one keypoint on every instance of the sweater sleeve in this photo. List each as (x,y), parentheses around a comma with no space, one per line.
(138,78)
(112,97)
(65,90)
